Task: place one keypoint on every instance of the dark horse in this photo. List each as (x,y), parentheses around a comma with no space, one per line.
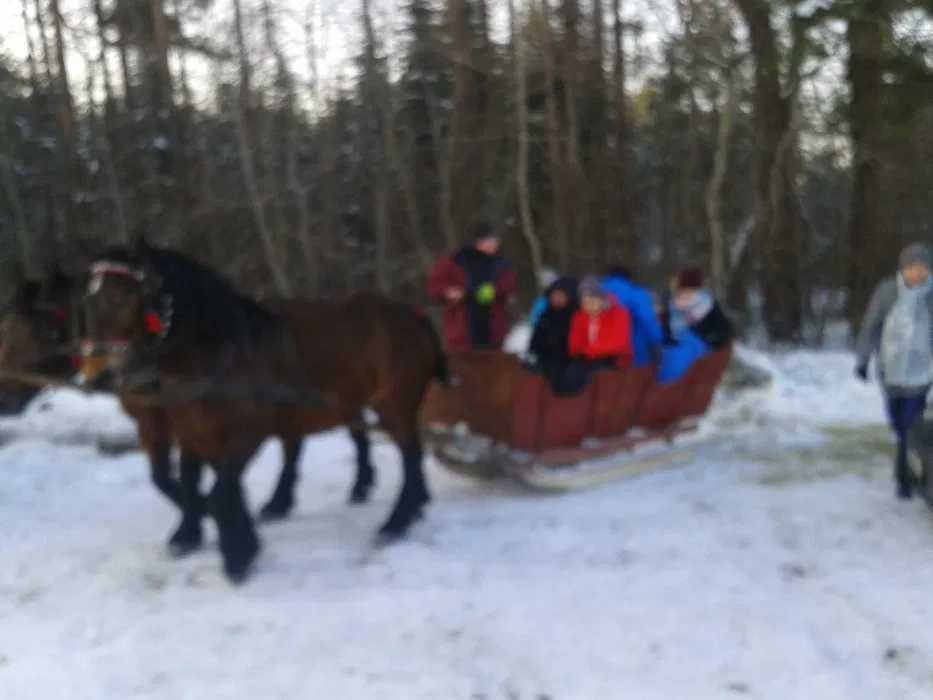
(39,341)
(229,372)
(39,338)
(35,337)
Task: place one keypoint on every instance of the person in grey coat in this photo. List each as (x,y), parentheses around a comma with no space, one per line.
(898,328)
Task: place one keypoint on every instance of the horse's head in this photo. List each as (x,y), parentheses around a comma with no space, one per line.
(120,313)
(35,336)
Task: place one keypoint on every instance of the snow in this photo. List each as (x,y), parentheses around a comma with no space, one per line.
(777,564)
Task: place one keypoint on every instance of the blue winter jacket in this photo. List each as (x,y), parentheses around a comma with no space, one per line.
(677,359)
(646,330)
(537,310)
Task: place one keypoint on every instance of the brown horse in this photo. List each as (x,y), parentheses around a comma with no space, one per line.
(39,341)
(35,337)
(229,373)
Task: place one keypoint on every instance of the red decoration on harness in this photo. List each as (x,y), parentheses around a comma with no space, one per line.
(75,361)
(59,314)
(154,324)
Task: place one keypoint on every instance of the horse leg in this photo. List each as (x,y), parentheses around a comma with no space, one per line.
(239,543)
(414,494)
(283,498)
(189,537)
(365,475)
(160,471)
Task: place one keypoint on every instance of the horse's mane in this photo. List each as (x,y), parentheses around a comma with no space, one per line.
(202,302)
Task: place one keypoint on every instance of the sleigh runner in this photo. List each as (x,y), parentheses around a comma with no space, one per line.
(501,420)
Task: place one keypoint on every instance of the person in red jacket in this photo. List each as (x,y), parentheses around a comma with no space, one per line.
(600,337)
(601,331)
(475,286)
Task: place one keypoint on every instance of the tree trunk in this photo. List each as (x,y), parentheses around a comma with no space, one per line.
(248,165)
(521,123)
(628,247)
(868,29)
(560,224)
(373,140)
(776,205)
(717,232)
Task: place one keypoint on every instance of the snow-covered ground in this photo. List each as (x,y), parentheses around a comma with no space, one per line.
(776,565)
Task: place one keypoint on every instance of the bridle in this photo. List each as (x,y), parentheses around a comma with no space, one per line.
(158,316)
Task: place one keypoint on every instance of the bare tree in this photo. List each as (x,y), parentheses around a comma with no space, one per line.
(777,206)
(521,125)
(247,161)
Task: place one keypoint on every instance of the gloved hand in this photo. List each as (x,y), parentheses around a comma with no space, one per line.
(485,294)
(862,372)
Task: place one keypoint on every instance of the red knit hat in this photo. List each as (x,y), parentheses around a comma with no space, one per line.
(690,278)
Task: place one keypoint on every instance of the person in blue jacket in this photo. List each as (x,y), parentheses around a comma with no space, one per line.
(704,326)
(646,329)
(546,278)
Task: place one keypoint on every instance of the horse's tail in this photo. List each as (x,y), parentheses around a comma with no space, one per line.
(441,368)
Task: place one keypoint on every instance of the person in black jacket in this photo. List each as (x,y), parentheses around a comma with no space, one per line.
(550,344)
(701,313)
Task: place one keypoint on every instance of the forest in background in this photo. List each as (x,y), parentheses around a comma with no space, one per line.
(785,146)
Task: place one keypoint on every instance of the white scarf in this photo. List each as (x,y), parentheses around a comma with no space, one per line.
(906,348)
(698,307)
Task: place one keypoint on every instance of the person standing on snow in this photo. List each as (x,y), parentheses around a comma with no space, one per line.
(898,326)
(475,286)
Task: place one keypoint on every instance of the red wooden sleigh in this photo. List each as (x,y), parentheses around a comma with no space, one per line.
(501,418)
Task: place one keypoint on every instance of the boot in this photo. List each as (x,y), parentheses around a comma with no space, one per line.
(902,473)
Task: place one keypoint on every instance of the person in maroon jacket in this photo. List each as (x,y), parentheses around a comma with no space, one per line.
(475,286)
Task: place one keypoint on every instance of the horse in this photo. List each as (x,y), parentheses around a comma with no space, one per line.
(39,345)
(39,339)
(229,372)
(35,325)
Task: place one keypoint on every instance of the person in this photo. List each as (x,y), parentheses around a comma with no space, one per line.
(672,321)
(600,337)
(647,336)
(898,329)
(697,325)
(550,341)
(546,278)
(475,286)
(700,311)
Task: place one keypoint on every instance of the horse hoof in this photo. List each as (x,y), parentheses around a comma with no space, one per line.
(273,511)
(239,568)
(238,575)
(184,542)
(385,538)
(358,498)
(395,529)
(904,492)
(181,549)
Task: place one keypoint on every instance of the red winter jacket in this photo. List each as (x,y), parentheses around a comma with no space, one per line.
(448,273)
(603,337)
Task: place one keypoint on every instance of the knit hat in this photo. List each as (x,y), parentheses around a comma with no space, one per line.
(481,230)
(690,278)
(590,286)
(914,254)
